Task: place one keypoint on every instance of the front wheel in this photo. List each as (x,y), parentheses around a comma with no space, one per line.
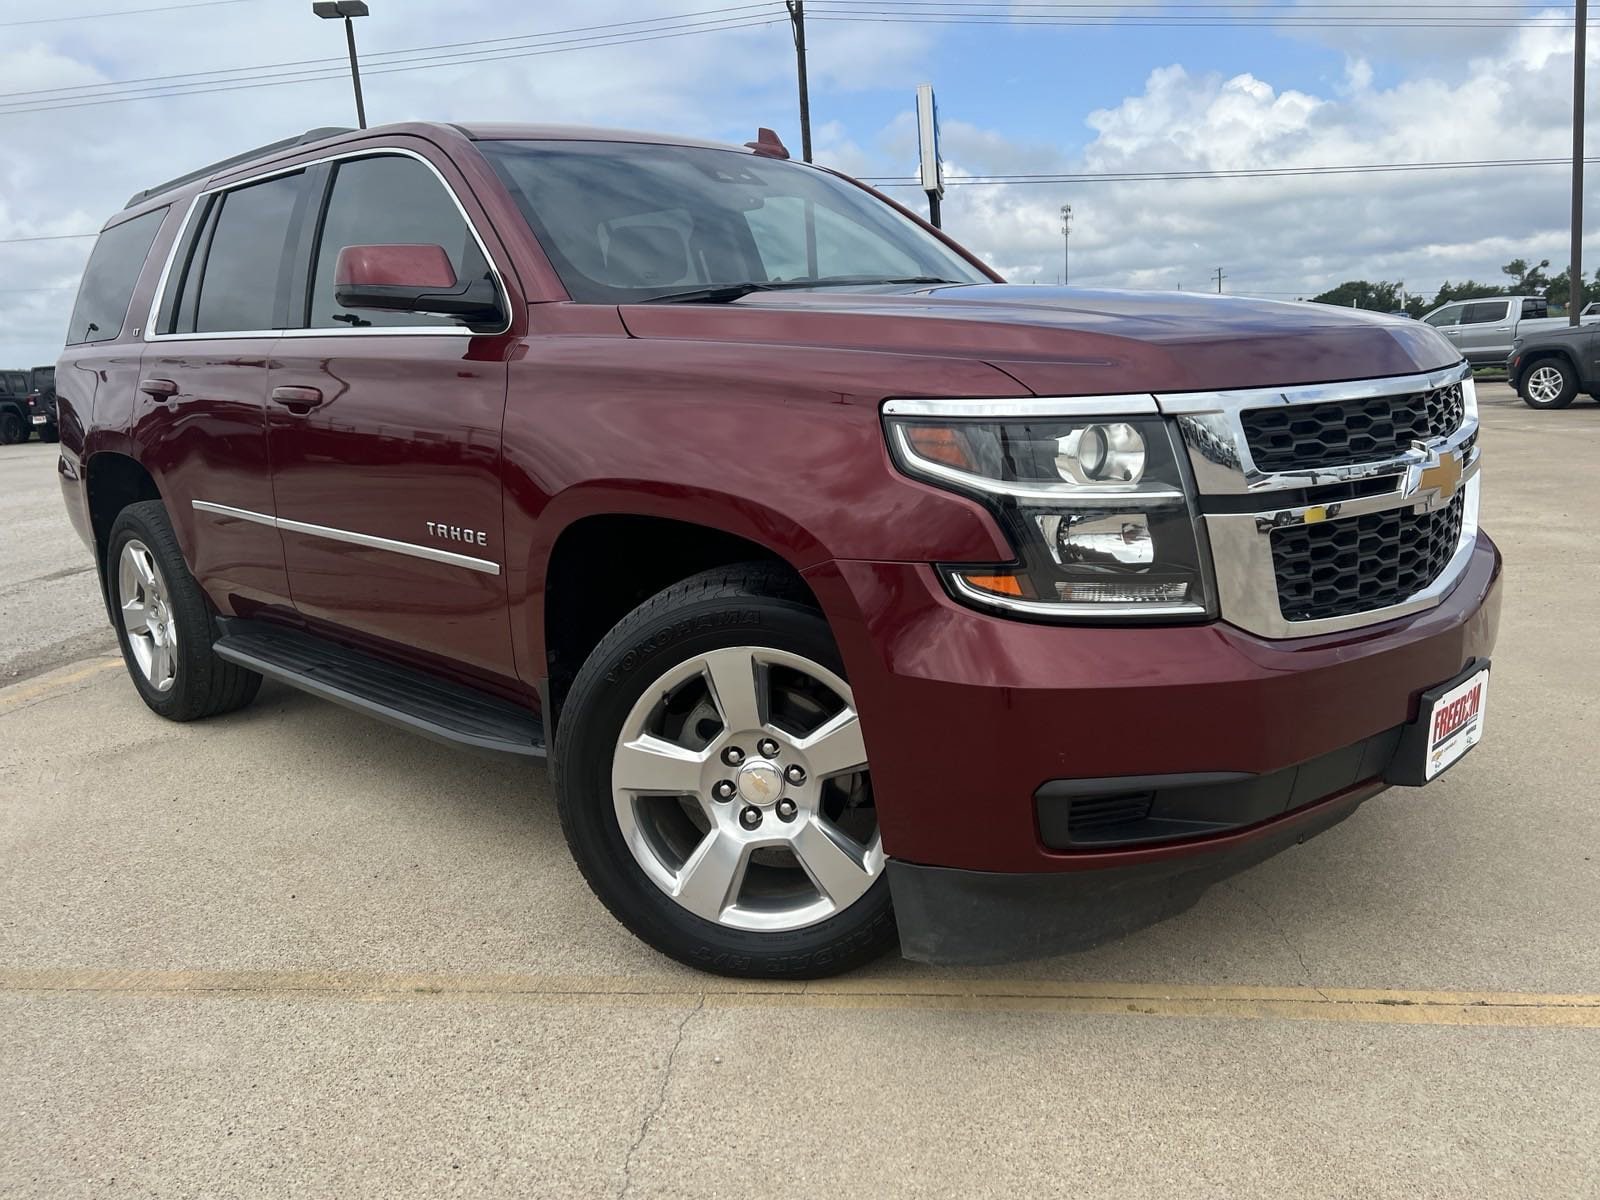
(713,783)
(1549,383)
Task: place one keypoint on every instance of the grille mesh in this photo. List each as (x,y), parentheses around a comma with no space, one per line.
(1341,567)
(1309,436)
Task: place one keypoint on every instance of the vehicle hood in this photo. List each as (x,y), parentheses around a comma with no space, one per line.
(1069,341)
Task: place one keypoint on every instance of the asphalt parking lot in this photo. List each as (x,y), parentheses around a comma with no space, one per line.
(295,952)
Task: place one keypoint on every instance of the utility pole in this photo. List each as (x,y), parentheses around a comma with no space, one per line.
(345,9)
(797,18)
(1220,278)
(1575,270)
(1066,251)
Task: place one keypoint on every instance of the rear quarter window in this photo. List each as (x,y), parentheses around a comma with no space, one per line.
(110,277)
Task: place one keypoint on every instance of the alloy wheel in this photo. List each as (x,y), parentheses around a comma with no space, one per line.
(741,788)
(147,616)
(1545,384)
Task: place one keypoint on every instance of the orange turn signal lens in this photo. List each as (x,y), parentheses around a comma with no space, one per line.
(940,444)
(1001,585)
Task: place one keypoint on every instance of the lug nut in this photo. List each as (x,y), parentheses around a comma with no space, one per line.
(786,809)
(733,756)
(795,774)
(750,818)
(724,789)
(767,748)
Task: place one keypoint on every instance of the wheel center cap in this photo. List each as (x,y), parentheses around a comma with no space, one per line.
(760,784)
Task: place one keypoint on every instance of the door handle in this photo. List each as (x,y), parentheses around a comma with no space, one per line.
(161,389)
(297,399)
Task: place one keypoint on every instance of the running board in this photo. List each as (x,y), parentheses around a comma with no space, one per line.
(446,712)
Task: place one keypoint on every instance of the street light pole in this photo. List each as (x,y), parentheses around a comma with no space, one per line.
(797,18)
(1066,248)
(334,10)
(1575,269)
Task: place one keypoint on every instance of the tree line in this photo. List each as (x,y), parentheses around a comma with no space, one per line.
(1527,279)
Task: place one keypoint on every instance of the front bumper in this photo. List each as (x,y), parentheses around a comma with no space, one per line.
(967,716)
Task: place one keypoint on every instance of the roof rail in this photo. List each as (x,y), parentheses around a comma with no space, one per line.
(310,135)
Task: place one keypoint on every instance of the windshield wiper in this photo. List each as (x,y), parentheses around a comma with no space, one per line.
(717,293)
(726,293)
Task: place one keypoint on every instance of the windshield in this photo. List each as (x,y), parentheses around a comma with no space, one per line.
(625,222)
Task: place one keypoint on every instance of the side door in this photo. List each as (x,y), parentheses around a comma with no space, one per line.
(1447,320)
(201,412)
(385,430)
(1486,330)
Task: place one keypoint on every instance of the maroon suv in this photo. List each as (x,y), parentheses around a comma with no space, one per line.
(854,593)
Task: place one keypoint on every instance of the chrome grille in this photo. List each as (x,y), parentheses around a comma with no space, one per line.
(1311,436)
(1333,506)
(1379,559)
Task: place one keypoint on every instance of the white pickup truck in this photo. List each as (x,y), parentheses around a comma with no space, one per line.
(1484,329)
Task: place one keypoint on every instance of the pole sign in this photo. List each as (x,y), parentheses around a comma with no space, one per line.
(928,140)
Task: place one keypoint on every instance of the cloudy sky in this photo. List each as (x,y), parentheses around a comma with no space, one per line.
(88,117)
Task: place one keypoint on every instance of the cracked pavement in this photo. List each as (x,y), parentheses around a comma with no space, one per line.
(294,953)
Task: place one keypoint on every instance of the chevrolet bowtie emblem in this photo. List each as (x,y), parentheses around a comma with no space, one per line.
(1442,477)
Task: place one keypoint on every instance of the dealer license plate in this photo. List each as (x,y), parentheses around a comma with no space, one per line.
(38,418)
(1456,723)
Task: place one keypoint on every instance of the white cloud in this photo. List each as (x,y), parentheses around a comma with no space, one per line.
(1493,95)
(1299,235)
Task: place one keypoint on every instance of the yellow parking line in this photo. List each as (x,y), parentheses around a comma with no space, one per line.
(1360,1005)
(56,682)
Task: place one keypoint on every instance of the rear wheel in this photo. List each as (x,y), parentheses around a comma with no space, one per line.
(1549,383)
(164,622)
(713,783)
(12,430)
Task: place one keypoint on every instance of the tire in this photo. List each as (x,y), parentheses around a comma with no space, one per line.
(748,899)
(12,430)
(49,434)
(170,658)
(1548,383)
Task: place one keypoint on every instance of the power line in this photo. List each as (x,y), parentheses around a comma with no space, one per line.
(1130,21)
(751,21)
(52,237)
(1248,173)
(382,57)
(1119,177)
(122,12)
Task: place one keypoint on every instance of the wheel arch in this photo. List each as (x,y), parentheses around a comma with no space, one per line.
(581,586)
(1538,355)
(112,481)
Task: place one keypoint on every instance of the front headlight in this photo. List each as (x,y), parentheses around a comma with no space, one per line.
(1098,510)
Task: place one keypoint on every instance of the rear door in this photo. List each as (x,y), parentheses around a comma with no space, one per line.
(202,414)
(1486,330)
(385,438)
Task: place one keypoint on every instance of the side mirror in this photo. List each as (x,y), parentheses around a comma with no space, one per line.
(416,279)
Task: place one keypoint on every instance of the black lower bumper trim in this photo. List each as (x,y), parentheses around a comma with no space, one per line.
(952,917)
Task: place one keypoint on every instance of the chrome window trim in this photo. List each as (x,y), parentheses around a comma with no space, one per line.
(1141,404)
(371,541)
(195,204)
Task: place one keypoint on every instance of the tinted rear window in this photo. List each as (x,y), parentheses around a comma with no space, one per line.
(241,267)
(110,277)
